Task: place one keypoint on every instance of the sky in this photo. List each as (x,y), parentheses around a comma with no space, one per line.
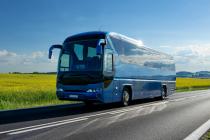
(28,28)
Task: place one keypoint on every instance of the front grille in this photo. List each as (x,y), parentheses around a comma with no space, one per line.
(74,90)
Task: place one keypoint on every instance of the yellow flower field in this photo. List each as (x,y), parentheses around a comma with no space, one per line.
(192,83)
(27,90)
(30,90)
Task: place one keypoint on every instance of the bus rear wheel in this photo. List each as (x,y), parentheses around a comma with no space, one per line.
(126,97)
(163,93)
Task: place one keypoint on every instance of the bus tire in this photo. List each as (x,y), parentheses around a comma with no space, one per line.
(163,93)
(88,103)
(126,97)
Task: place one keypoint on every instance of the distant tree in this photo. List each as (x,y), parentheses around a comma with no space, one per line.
(35,72)
(51,73)
(16,73)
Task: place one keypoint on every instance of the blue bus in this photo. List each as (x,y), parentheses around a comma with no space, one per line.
(108,67)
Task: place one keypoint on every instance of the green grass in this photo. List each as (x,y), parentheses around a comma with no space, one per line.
(30,90)
(206,136)
(27,90)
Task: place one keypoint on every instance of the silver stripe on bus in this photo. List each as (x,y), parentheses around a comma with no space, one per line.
(144,80)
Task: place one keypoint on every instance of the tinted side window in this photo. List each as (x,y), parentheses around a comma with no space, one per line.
(117,45)
(131,49)
(126,48)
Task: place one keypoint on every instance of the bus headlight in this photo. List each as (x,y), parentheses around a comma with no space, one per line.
(59,90)
(89,90)
(94,90)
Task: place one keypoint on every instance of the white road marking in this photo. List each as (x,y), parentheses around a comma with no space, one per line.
(62,122)
(135,108)
(46,126)
(35,126)
(57,123)
(185,98)
(195,135)
(195,96)
(179,99)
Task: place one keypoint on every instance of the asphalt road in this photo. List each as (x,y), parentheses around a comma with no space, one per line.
(174,118)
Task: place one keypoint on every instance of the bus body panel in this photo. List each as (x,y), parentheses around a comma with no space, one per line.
(145,72)
(142,69)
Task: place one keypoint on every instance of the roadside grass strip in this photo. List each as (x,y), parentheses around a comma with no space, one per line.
(206,136)
(199,132)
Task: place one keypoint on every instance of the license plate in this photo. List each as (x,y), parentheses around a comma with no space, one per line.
(73,96)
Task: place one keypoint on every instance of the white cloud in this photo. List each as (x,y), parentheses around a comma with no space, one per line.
(35,61)
(38,54)
(5,53)
(191,57)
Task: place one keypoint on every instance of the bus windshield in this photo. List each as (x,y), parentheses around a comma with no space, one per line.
(80,56)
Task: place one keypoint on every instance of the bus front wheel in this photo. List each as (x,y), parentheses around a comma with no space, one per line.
(126,97)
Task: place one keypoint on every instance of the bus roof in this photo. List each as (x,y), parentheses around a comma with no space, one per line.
(86,35)
(102,34)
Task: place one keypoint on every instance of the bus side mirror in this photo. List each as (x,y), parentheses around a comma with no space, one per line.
(99,46)
(53,47)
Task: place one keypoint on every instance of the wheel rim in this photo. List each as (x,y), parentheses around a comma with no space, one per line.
(163,94)
(126,98)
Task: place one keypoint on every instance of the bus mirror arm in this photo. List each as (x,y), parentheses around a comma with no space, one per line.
(100,44)
(53,47)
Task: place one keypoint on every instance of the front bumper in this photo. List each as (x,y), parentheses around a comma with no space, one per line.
(80,96)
